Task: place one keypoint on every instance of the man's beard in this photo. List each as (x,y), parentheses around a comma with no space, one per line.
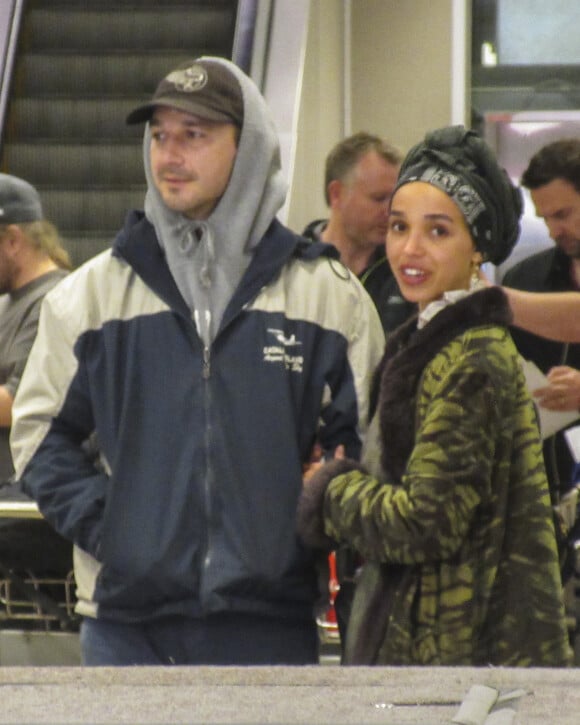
(570,247)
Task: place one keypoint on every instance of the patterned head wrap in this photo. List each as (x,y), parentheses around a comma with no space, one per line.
(461,164)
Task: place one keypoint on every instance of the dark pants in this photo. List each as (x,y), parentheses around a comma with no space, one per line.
(220,639)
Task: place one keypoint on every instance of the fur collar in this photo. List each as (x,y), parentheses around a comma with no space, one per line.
(407,353)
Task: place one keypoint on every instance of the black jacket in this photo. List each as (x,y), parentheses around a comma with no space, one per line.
(547,271)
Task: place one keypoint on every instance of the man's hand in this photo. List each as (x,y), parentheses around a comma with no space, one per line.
(563,392)
(6,401)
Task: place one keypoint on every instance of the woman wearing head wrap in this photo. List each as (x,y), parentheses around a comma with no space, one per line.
(452,515)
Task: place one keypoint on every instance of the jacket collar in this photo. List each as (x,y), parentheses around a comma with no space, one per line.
(137,244)
(407,353)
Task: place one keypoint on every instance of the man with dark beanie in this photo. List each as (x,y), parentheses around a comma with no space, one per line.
(181,381)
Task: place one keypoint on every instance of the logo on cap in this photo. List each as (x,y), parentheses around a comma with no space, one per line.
(189,80)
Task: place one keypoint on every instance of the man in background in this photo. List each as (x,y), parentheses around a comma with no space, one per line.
(32,261)
(360,175)
(553,178)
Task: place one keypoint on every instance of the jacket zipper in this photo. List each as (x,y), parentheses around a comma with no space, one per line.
(206,370)
(202,324)
(206,363)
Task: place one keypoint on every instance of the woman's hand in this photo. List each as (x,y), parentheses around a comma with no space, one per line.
(317,460)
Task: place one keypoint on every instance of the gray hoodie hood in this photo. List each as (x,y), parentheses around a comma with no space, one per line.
(208,258)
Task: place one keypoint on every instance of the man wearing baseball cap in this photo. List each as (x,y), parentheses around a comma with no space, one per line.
(32,261)
(181,381)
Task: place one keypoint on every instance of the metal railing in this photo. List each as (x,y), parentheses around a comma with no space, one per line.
(10,17)
(17,604)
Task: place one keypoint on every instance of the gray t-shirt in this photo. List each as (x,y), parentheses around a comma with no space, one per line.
(19,312)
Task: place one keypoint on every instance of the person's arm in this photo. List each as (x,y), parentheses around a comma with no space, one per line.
(465,409)
(554,315)
(19,351)
(52,422)
(427,515)
(6,401)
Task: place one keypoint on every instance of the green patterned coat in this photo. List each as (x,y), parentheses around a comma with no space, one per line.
(458,539)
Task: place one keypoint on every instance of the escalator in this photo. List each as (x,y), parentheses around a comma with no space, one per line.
(80,66)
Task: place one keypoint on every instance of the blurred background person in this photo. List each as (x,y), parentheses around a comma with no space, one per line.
(553,178)
(32,261)
(360,175)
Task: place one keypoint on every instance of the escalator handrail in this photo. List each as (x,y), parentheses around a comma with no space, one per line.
(10,17)
(251,37)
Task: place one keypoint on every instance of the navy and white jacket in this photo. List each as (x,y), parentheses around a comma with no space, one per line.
(173,467)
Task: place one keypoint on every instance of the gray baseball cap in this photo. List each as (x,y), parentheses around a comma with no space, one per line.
(19,201)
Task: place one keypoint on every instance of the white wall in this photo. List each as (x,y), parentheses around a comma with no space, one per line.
(320,117)
(282,82)
(401,67)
